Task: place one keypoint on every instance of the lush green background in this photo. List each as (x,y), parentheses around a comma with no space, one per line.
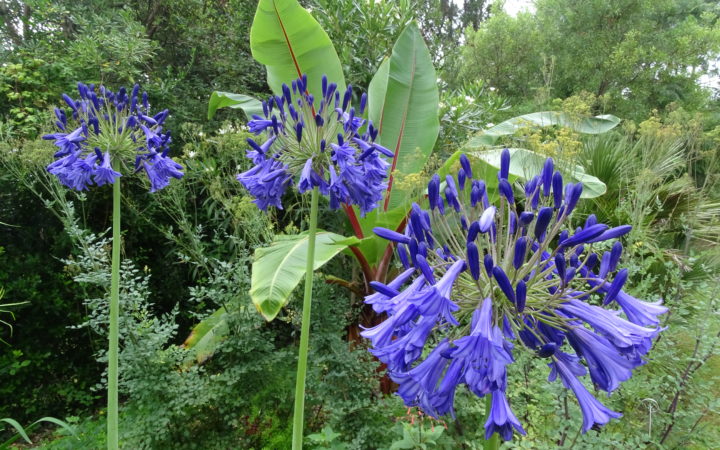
(188,249)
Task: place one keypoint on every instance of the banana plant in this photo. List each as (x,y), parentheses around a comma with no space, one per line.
(403,104)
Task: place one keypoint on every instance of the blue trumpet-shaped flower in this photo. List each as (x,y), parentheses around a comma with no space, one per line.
(106,131)
(315,142)
(484,279)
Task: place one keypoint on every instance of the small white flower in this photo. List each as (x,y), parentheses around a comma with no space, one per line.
(192,154)
(489,125)
(492,88)
(201,134)
(469,99)
(453,108)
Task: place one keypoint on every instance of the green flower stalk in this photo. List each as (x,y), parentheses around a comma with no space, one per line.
(103,131)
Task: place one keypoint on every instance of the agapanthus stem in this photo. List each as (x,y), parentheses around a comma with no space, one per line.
(298,415)
(112,409)
(494,442)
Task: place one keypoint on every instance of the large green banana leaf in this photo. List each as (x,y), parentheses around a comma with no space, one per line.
(403,104)
(524,164)
(218,99)
(206,336)
(589,125)
(278,269)
(290,42)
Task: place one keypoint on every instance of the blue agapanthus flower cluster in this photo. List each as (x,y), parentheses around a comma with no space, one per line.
(482,278)
(320,142)
(102,131)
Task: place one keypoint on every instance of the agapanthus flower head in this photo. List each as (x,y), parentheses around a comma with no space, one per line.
(314,142)
(103,132)
(485,278)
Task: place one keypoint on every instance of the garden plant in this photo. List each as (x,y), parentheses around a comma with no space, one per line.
(411,224)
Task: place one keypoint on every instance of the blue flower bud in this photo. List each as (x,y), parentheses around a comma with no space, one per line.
(451,197)
(591,220)
(402,255)
(615,254)
(612,233)
(473,231)
(574,196)
(413,248)
(465,163)
(592,261)
(347,97)
(569,276)
(519,255)
(488,263)
(506,190)
(520,296)
(384,289)
(473,260)
(543,220)
(604,265)
(363,102)
(298,131)
(391,235)
(477,193)
(547,176)
(531,185)
(526,217)
(504,283)
(574,260)
(547,350)
(616,285)
(385,151)
(286,94)
(434,191)
(487,219)
(560,266)
(584,235)
(425,268)
(504,164)
(461,179)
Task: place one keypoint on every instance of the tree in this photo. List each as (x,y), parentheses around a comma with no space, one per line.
(639,54)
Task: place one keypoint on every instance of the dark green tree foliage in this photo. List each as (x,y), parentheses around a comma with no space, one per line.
(176,50)
(364,32)
(639,54)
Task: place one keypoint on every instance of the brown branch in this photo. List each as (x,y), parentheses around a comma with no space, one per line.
(692,367)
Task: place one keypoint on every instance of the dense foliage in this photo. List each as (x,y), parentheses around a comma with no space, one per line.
(187,251)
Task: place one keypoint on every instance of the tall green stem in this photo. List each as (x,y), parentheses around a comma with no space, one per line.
(112,400)
(494,442)
(299,413)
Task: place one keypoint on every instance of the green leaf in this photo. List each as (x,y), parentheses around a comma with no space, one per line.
(290,42)
(19,428)
(591,125)
(403,104)
(205,337)
(371,246)
(249,105)
(57,422)
(278,269)
(524,164)
(376,92)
